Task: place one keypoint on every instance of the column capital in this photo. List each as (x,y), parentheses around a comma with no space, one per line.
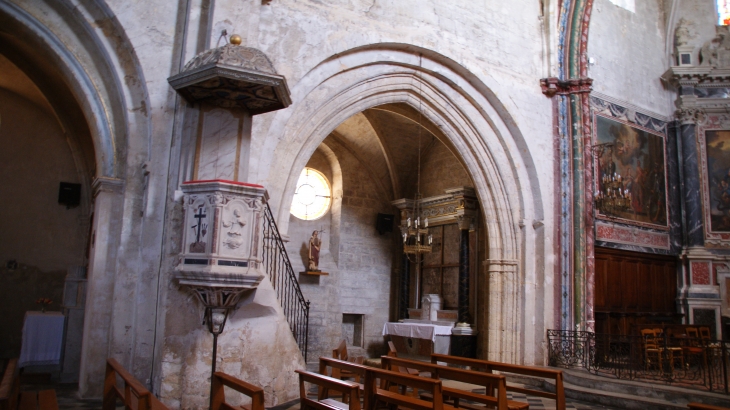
(690,115)
(107,184)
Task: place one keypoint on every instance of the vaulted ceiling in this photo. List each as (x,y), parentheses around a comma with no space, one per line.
(385,139)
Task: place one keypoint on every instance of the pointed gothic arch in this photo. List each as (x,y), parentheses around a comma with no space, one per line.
(485,137)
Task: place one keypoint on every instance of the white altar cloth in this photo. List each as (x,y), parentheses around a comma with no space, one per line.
(42,339)
(426,331)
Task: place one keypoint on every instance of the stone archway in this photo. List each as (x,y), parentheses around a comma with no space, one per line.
(486,139)
(82,46)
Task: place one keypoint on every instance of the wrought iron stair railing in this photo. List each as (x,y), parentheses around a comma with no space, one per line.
(278,267)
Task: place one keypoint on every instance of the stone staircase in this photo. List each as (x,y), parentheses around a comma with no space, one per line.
(624,394)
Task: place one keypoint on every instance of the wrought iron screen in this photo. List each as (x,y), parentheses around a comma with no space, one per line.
(683,361)
(281,274)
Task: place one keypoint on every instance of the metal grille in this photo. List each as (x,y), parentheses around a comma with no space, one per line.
(686,362)
(281,274)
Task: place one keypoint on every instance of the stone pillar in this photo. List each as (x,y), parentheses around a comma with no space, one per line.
(105,241)
(504,339)
(692,183)
(405,281)
(464,316)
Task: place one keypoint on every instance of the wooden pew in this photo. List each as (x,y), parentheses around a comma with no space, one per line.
(700,406)
(490,367)
(134,395)
(495,385)
(336,367)
(398,398)
(218,401)
(10,386)
(38,400)
(349,390)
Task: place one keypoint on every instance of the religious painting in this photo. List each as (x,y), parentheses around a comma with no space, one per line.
(630,174)
(717,151)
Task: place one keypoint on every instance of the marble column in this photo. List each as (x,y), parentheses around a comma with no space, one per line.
(464,316)
(693,225)
(405,281)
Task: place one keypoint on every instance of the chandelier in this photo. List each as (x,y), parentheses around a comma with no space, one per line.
(416,239)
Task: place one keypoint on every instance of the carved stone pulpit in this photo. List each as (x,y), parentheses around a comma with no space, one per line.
(222,228)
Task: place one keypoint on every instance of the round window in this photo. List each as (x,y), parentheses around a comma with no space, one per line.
(312,197)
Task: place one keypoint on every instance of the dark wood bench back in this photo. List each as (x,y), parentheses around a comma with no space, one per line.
(700,406)
(339,365)
(490,367)
(374,395)
(134,394)
(219,397)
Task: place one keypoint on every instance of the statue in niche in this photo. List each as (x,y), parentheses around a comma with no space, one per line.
(315,243)
(235,223)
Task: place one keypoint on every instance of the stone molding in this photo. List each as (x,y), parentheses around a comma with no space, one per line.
(554,86)
(688,116)
(106,184)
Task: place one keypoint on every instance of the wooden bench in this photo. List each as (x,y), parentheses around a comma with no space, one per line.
(700,406)
(490,367)
(218,401)
(10,386)
(397,397)
(349,390)
(134,394)
(336,369)
(38,400)
(495,385)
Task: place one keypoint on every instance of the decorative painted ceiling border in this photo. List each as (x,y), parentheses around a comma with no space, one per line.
(625,105)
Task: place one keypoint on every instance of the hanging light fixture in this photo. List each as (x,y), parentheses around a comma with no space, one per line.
(416,238)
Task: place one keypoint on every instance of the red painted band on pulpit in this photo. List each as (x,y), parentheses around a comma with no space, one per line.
(223,181)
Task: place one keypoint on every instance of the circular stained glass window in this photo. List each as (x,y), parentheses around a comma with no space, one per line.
(312,197)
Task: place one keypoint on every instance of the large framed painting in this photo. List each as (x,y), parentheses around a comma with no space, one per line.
(630,174)
(714,160)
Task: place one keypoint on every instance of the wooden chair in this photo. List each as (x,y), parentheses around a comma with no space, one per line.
(10,386)
(393,353)
(348,389)
(495,386)
(655,346)
(218,401)
(341,354)
(489,366)
(652,350)
(134,394)
(397,398)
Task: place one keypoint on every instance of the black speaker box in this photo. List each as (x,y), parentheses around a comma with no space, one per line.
(385,223)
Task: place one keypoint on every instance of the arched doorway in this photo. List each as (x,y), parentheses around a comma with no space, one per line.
(478,130)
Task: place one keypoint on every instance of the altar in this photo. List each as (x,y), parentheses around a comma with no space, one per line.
(419,339)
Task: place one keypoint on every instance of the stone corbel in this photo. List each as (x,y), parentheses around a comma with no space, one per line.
(554,86)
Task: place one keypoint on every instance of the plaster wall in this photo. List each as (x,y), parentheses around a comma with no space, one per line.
(629,55)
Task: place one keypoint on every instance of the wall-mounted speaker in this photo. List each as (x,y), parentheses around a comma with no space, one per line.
(385,223)
(69,194)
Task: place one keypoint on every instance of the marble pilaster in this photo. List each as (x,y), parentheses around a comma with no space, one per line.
(405,280)
(504,336)
(691,192)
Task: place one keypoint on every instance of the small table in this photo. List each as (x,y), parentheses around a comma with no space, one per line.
(42,339)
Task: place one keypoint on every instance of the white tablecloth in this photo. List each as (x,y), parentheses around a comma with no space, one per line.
(416,330)
(42,339)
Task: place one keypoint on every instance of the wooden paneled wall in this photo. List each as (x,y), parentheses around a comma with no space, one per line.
(634,288)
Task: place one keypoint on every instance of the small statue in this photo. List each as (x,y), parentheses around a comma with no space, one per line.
(315,243)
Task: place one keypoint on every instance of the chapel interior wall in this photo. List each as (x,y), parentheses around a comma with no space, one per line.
(42,237)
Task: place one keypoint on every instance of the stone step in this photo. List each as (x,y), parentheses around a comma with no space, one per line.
(624,394)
